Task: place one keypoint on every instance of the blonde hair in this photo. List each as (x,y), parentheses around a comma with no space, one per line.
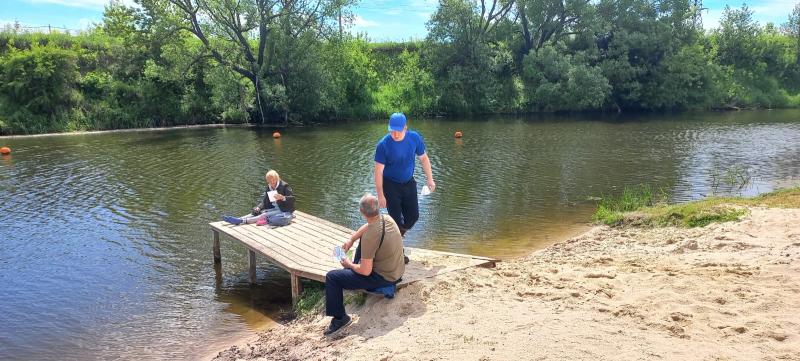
(273,174)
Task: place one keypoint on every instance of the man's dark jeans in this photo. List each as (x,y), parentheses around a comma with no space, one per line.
(401,202)
(347,279)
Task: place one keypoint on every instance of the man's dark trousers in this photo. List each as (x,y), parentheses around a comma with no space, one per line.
(401,202)
(347,279)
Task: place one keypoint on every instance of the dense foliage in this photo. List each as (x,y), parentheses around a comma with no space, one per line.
(168,62)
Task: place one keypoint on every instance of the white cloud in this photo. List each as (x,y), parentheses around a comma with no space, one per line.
(360,22)
(425,3)
(88,4)
(86,23)
(775,11)
(711,19)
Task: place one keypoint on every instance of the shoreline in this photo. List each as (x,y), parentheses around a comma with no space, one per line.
(154,129)
(723,291)
(580,116)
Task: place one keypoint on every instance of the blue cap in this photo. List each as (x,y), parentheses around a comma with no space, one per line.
(397,122)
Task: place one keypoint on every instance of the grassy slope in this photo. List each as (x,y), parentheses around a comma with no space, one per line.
(640,206)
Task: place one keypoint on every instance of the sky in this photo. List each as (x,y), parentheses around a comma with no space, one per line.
(381,20)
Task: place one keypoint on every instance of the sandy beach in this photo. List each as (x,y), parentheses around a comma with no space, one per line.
(727,291)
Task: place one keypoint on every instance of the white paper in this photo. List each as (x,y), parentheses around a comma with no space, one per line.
(338,254)
(271,195)
(425,191)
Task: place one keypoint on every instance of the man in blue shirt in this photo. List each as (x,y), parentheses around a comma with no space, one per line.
(394,172)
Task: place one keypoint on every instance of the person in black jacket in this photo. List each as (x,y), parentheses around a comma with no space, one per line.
(277,211)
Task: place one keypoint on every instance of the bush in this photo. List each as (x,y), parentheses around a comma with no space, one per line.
(37,88)
(408,89)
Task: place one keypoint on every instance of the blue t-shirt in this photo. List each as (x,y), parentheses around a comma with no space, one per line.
(398,157)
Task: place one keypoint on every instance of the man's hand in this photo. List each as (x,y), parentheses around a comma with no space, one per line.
(431,185)
(346,263)
(381,200)
(346,246)
(279,197)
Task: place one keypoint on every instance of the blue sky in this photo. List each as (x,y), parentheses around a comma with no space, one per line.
(379,19)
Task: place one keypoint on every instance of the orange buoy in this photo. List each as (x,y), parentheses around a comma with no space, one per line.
(458,134)
(276,135)
(5,150)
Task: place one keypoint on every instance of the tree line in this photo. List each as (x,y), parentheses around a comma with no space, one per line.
(169,62)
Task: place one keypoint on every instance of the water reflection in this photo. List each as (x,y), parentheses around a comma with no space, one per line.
(107,254)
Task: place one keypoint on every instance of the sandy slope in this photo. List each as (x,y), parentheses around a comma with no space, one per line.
(724,292)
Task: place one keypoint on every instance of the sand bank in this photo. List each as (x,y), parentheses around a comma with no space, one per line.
(728,291)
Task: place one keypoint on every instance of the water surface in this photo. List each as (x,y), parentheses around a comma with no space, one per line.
(106,252)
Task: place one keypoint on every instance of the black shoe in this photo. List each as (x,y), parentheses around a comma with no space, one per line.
(405,259)
(337,325)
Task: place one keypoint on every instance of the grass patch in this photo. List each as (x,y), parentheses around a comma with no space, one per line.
(638,206)
(312,300)
(611,210)
(355,298)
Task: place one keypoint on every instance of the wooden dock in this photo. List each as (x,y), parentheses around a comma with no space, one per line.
(304,248)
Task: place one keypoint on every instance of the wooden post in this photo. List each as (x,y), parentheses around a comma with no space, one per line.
(218,275)
(251,260)
(297,288)
(217,255)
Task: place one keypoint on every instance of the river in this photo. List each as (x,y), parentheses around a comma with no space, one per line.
(105,251)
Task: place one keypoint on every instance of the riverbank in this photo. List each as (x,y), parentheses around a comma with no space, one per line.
(155,129)
(723,291)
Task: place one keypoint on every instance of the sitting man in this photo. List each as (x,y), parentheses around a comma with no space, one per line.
(278,212)
(381,262)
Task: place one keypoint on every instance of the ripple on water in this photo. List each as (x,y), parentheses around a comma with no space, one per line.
(106,250)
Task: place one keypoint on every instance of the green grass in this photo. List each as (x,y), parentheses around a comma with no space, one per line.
(641,207)
(610,210)
(312,300)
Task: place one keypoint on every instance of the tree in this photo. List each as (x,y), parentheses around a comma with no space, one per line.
(792,28)
(543,20)
(555,81)
(736,38)
(460,53)
(246,36)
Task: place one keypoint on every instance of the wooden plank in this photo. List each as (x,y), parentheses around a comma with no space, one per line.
(330,240)
(303,248)
(303,238)
(265,249)
(300,258)
(319,235)
(323,231)
(308,242)
(323,221)
(215,247)
(309,264)
(251,262)
(255,240)
(443,253)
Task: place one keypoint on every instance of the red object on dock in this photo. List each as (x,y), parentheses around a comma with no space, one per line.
(276,135)
(458,134)
(5,150)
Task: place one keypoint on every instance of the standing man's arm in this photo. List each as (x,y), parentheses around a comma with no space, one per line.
(379,184)
(426,166)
